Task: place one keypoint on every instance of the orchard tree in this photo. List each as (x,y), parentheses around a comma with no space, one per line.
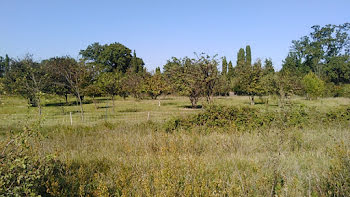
(155,85)
(133,84)
(76,74)
(208,66)
(28,79)
(110,83)
(193,78)
(93,90)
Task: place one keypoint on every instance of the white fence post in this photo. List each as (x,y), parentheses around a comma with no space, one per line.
(71,119)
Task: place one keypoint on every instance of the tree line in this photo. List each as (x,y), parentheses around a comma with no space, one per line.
(317,65)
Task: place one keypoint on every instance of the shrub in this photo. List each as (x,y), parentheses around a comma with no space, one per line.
(313,86)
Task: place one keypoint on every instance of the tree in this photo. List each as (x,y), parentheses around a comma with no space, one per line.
(75,73)
(248,55)
(2,67)
(155,85)
(230,73)
(28,79)
(193,78)
(110,83)
(313,86)
(224,66)
(133,83)
(268,67)
(241,60)
(93,90)
(316,51)
(208,66)
(338,70)
(112,57)
(136,63)
(248,81)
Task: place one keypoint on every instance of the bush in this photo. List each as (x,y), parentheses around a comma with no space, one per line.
(235,118)
(313,86)
(22,173)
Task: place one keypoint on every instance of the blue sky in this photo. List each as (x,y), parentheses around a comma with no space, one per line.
(160,29)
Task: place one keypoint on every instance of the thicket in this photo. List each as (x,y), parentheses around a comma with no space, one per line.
(244,118)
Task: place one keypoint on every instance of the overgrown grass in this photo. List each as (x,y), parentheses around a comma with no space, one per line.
(116,158)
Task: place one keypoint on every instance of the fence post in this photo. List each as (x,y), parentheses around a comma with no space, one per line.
(71,119)
(148,116)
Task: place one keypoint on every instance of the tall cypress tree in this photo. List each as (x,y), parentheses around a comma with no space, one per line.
(224,66)
(7,63)
(240,58)
(248,55)
(230,70)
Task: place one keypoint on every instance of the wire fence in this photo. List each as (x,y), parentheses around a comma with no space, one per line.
(8,120)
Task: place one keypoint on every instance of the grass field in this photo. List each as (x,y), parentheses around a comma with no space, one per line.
(127,155)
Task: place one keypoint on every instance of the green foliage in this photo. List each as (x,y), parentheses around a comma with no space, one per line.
(325,51)
(313,86)
(113,56)
(242,119)
(156,85)
(193,77)
(241,59)
(230,73)
(110,83)
(224,66)
(336,181)
(23,173)
(248,59)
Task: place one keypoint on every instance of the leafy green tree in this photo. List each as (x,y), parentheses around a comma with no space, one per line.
(230,73)
(224,66)
(133,84)
(93,90)
(137,63)
(248,82)
(112,57)
(193,78)
(313,86)
(338,69)
(241,59)
(28,79)
(316,51)
(110,83)
(248,55)
(155,85)
(2,67)
(57,83)
(77,76)
(268,67)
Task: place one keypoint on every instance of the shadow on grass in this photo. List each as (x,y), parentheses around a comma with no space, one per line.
(129,110)
(165,104)
(104,107)
(190,107)
(66,104)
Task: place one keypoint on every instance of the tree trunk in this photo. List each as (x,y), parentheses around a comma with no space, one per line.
(66,96)
(113,102)
(93,100)
(252,100)
(81,107)
(39,106)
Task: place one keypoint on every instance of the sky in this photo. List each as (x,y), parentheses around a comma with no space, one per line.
(161,29)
